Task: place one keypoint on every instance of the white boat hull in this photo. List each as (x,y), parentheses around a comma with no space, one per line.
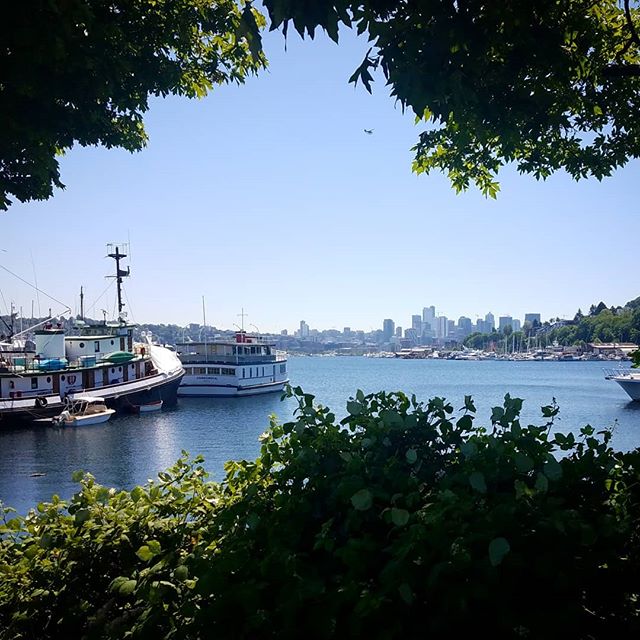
(97,418)
(204,389)
(629,381)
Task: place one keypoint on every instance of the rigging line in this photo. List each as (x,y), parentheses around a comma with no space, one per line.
(35,279)
(95,302)
(15,275)
(128,303)
(5,303)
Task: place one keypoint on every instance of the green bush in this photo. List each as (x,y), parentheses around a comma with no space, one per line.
(402,519)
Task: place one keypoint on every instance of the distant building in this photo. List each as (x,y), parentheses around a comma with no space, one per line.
(490,322)
(442,327)
(416,323)
(304,329)
(516,326)
(465,327)
(284,332)
(531,318)
(399,331)
(388,329)
(504,322)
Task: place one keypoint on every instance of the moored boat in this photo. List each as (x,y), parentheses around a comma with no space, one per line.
(83,410)
(628,379)
(243,366)
(99,360)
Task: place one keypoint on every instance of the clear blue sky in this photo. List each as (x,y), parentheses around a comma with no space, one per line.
(270,196)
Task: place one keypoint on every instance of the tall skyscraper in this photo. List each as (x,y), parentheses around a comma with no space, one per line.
(388,329)
(490,322)
(531,318)
(304,329)
(416,323)
(442,327)
(504,322)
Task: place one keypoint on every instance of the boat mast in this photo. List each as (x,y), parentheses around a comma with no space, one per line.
(81,304)
(117,255)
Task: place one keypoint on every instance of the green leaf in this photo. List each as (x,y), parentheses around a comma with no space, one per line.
(362,500)
(411,456)
(354,408)
(498,549)
(144,553)
(552,469)
(181,573)
(127,587)
(476,480)
(399,517)
(77,476)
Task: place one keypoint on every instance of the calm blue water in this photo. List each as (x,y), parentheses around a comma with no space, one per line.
(128,450)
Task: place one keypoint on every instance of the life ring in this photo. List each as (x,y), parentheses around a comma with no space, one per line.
(41,402)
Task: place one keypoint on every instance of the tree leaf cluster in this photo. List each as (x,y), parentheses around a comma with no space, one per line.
(401,519)
(543,84)
(82,71)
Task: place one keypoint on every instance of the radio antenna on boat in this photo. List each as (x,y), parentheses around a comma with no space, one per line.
(242,315)
(117,252)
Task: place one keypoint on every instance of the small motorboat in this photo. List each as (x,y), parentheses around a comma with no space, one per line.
(150,406)
(83,410)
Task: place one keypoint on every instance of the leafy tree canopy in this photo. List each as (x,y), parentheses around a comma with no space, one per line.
(82,71)
(546,84)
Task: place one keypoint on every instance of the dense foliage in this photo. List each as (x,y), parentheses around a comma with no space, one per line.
(401,520)
(546,84)
(82,71)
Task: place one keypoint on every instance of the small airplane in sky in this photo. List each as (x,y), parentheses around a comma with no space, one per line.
(368,131)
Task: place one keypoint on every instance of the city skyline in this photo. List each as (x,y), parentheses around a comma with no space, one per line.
(270,197)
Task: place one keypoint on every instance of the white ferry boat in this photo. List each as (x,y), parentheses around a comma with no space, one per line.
(99,360)
(246,365)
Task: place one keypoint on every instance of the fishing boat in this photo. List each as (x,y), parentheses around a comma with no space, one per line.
(628,379)
(83,410)
(244,365)
(100,360)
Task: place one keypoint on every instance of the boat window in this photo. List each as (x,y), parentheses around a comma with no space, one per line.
(82,345)
(200,371)
(250,372)
(112,342)
(34,383)
(244,373)
(283,368)
(227,372)
(62,377)
(48,379)
(216,371)
(96,346)
(234,350)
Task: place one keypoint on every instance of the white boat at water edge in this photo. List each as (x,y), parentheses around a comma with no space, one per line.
(83,410)
(244,366)
(628,379)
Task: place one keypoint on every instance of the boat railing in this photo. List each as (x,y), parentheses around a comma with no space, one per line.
(620,373)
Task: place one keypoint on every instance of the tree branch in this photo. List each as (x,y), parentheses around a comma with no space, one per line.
(622,71)
(627,13)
